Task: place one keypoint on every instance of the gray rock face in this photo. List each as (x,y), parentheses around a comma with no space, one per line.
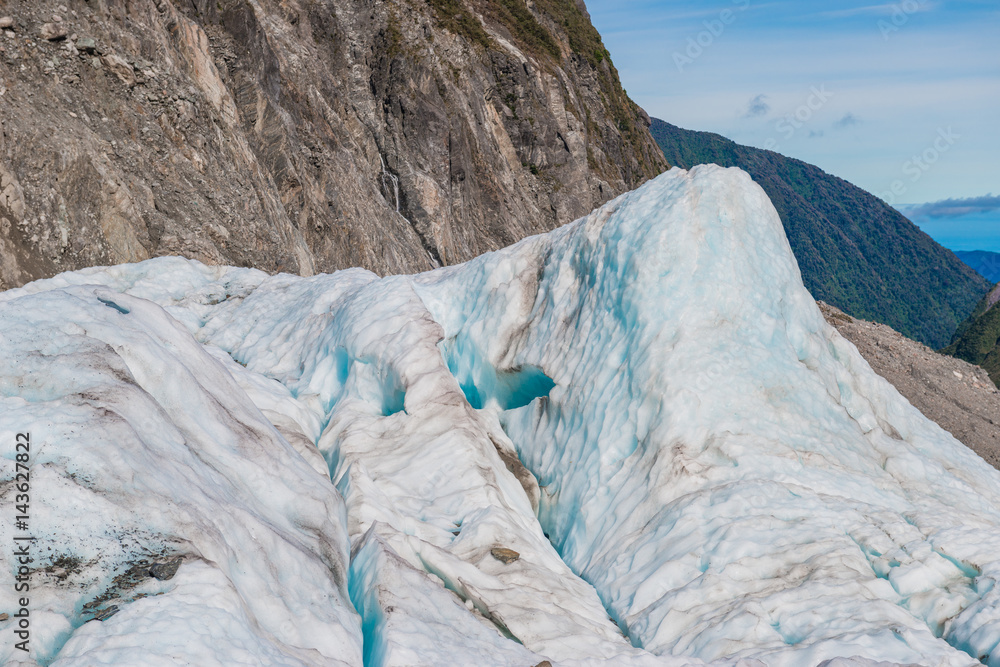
(303,136)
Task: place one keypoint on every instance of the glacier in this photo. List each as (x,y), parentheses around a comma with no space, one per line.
(646,405)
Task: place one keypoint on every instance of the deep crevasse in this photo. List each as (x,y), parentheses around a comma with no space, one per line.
(721,469)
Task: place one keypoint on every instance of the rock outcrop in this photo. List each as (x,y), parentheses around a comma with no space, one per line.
(303,136)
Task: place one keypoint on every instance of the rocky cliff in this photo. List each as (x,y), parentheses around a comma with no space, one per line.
(300,135)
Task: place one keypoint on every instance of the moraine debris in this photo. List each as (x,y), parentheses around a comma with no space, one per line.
(53,32)
(86,44)
(504,555)
(165,571)
(105,614)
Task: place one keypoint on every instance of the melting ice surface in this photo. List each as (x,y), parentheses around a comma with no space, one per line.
(645,404)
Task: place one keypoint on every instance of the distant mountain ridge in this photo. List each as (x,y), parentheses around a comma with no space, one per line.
(984,262)
(855,251)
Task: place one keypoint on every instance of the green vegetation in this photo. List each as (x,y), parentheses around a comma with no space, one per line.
(537,32)
(855,251)
(455,18)
(535,39)
(977,340)
(526,30)
(394,36)
(584,39)
(530,35)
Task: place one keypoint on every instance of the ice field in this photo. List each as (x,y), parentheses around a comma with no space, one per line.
(646,405)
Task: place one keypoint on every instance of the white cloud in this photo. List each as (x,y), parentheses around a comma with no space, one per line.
(952,208)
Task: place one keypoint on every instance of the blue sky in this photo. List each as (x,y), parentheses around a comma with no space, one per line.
(901,98)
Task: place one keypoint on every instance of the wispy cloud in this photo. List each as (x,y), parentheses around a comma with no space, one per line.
(848,120)
(885,9)
(952,208)
(757,107)
(858,11)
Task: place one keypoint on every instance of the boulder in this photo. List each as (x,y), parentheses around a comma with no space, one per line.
(120,68)
(86,44)
(53,32)
(505,556)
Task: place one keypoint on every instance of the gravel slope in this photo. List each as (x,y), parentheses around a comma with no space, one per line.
(955,394)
